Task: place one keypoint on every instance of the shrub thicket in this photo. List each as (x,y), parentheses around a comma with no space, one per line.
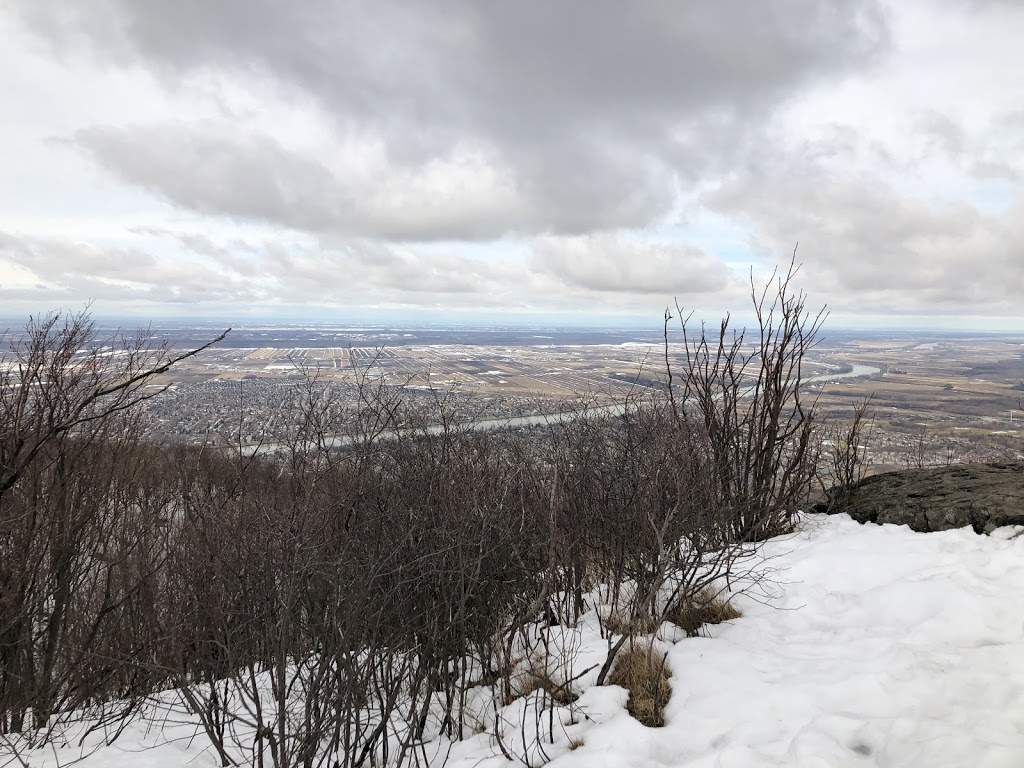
(335,605)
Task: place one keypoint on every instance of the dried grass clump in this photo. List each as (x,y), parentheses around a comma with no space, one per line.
(538,677)
(644,673)
(539,680)
(623,623)
(705,607)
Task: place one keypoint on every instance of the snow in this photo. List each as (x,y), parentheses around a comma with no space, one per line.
(858,646)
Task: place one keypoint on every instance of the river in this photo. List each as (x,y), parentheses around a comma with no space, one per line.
(545,419)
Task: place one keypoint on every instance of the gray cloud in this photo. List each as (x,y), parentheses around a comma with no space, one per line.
(580,114)
(562,273)
(575,154)
(499,65)
(864,244)
(210,169)
(611,263)
(943,133)
(360,273)
(83,271)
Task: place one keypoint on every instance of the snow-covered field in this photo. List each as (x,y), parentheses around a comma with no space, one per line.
(878,647)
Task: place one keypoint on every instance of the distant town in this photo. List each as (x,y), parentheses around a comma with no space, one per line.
(935,397)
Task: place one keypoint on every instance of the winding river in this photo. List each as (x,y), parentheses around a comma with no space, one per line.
(544,419)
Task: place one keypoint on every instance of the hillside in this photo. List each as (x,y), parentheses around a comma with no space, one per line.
(860,646)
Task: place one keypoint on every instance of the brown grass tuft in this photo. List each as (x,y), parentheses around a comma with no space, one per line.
(621,623)
(539,678)
(705,607)
(562,694)
(643,672)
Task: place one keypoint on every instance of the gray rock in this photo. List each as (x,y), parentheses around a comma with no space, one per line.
(983,496)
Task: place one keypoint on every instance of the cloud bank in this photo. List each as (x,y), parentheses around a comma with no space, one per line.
(580,158)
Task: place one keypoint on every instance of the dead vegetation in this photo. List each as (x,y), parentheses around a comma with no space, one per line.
(319,597)
(707,606)
(644,672)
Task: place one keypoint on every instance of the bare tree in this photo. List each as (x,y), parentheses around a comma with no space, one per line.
(746,390)
(76,557)
(61,379)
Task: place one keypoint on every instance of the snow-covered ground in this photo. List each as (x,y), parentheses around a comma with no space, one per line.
(878,647)
(885,648)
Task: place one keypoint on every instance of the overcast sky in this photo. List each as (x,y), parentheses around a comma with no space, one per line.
(565,160)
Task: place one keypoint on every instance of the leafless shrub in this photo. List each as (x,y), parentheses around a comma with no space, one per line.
(917,454)
(848,454)
(79,556)
(618,622)
(538,678)
(745,391)
(337,602)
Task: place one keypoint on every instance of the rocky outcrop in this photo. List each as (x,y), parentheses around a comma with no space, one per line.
(983,496)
